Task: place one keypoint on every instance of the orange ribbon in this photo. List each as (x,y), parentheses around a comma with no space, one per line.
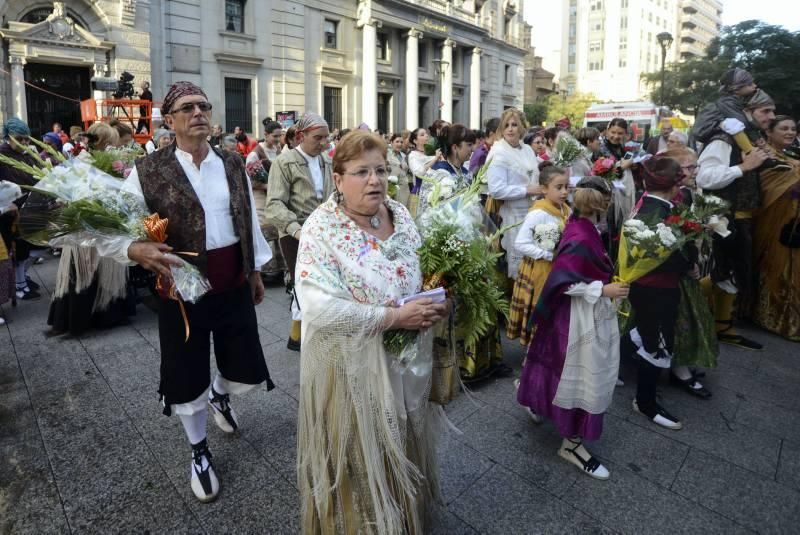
(156,229)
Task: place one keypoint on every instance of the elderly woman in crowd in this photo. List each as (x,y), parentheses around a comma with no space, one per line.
(366,443)
(776,240)
(513,179)
(676,140)
(90,291)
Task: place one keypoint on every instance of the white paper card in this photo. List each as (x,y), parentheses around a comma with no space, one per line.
(437,295)
(619,184)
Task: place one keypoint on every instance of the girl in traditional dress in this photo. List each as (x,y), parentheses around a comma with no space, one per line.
(366,459)
(513,179)
(550,211)
(777,236)
(573,359)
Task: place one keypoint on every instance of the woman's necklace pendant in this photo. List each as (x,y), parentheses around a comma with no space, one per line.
(375,221)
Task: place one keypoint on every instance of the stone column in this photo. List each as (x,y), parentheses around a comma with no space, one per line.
(19,102)
(99,72)
(475,89)
(412,79)
(447,80)
(369,75)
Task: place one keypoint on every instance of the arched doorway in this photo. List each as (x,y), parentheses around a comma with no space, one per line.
(53,94)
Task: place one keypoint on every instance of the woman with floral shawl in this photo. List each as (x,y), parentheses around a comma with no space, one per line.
(573,358)
(777,255)
(366,435)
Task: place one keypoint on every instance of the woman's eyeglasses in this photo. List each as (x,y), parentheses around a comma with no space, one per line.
(189,107)
(365,172)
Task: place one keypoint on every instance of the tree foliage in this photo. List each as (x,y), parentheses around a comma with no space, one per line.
(552,108)
(768,52)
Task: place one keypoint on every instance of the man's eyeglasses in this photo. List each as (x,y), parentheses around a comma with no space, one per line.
(365,172)
(189,107)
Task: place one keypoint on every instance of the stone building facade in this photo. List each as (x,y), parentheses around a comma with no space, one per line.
(391,64)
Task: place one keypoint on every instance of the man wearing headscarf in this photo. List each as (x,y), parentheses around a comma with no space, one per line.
(207,198)
(729,174)
(16,138)
(299,180)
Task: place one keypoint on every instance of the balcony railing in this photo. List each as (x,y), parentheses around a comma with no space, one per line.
(449,9)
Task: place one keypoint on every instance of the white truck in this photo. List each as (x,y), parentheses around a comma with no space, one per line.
(642,117)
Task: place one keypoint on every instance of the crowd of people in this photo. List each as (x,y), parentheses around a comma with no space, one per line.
(314,205)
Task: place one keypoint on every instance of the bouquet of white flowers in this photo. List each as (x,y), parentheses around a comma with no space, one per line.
(547,236)
(643,247)
(568,149)
(710,210)
(93,209)
(456,254)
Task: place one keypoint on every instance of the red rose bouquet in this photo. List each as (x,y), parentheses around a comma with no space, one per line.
(605,168)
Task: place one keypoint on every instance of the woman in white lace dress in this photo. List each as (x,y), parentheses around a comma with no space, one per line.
(366,435)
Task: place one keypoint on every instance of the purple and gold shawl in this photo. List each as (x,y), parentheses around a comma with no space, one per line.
(580,257)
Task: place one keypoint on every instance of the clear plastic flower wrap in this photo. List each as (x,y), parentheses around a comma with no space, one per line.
(89,208)
(457,254)
(9,192)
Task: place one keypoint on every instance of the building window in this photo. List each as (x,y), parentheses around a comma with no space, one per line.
(598,26)
(596,65)
(623,63)
(234,16)
(624,4)
(507,76)
(422,55)
(332,107)
(382,42)
(571,67)
(623,23)
(238,105)
(331,27)
(384,112)
(595,46)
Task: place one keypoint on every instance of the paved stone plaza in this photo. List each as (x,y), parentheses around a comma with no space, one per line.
(85,448)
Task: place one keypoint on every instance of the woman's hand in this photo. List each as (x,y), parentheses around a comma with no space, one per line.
(616,290)
(534,189)
(418,314)
(695,272)
(439,155)
(625,164)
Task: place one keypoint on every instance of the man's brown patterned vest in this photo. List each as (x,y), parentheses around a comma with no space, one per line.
(744,193)
(168,192)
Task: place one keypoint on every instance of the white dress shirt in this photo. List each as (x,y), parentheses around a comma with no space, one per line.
(211,187)
(315,168)
(715,171)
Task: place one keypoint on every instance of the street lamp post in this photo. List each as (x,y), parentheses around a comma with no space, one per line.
(665,40)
